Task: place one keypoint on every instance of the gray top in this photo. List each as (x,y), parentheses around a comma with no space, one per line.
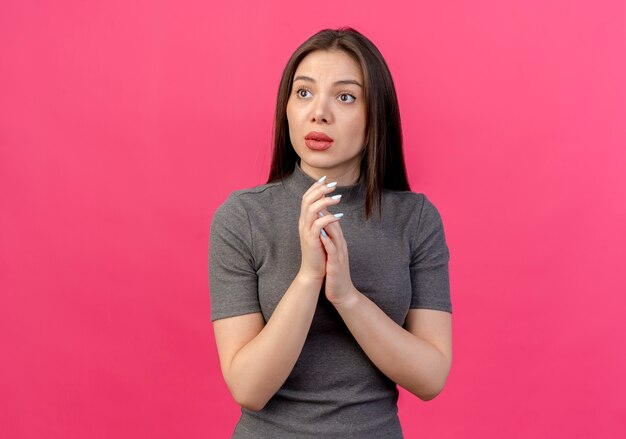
(399,262)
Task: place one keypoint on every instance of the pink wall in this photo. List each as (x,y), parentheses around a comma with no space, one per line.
(124,124)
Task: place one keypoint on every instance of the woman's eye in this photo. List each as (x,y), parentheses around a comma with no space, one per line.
(302,92)
(345,97)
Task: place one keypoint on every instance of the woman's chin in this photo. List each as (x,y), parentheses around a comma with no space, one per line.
(317,163)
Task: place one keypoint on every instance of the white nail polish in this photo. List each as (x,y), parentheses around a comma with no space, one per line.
(336,197)
(333,184)
(321,180)
(338,215)
(323,232)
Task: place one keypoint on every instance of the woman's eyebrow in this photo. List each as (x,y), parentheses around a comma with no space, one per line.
(342,82)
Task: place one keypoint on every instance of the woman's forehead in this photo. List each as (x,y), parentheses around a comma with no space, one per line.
(322,64)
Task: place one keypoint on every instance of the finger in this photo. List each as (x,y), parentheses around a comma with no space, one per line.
(307,214)
(335,234)
(318,183)
(323,203)
(336,231)
(323,222)
(329,246)
(317,192)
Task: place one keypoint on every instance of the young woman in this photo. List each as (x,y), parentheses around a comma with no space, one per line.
(329,284)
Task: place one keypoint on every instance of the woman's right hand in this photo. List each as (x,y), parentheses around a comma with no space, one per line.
(310,226)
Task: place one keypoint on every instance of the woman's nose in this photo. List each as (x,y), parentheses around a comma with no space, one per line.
(321,111)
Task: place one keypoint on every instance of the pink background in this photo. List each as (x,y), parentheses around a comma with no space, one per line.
(123,125)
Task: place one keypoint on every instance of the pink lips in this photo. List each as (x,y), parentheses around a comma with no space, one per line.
(318,141)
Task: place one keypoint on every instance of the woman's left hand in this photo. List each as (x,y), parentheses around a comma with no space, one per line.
(339,287)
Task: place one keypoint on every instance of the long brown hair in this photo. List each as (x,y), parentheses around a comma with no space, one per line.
(382,161)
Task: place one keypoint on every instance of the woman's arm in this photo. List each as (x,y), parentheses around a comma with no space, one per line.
(417,358)
(256,358)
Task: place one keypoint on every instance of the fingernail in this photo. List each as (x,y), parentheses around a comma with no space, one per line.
(321,180)
(333,184)
(323,233)
(338,215)
(336,197)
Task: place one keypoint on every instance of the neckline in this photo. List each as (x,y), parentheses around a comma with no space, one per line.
(352,196)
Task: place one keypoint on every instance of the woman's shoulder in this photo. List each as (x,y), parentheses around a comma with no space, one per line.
(255,190)
(239,200)
(416,204)
(405,198)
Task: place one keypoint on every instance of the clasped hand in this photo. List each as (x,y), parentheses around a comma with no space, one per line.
(324,248)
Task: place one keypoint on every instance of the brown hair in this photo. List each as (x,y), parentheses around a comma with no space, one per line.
(382,161)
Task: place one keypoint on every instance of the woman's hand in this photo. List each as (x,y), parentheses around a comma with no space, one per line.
(339,287)
(314,200)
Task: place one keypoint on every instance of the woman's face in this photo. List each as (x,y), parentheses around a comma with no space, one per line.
(327,115)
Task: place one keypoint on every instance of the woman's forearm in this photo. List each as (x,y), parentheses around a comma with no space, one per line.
(261,367)
(408,360)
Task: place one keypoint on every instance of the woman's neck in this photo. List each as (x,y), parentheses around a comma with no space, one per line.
(343,175)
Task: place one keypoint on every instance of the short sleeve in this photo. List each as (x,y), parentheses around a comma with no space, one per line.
(430,281)
(232,276)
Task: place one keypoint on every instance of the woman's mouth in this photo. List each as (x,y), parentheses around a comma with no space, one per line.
(318,141)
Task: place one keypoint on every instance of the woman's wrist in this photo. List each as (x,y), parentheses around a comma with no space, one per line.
(349,301)
(308,280)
